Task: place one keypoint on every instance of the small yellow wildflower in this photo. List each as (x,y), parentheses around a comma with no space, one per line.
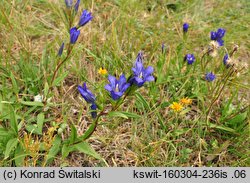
(186,101)
(176,107)
(102,71)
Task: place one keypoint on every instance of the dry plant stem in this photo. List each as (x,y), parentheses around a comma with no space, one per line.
(219,94)
(202,57)
(206,63)
(203,67)
(217,87)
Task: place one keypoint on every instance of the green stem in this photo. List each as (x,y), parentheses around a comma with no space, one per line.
(219,94)
(92,128)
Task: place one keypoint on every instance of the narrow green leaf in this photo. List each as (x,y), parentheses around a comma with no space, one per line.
(122,114)
(46,89)
(13,120)
(142,100)
(181,131)
(3,132)
(32,129)
(220,127)
(58,80)
(40,121)
(238,119)
(54,150)
(14,83)
(10,146)
(19,156)
(131,115)
(88,132)
(66,149)
(73,134)
(117,114)
(30,103)
(1,105)
(85,148)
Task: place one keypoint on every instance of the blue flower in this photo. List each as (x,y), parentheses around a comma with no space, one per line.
(93,107)
(141,74)
(77,5)
(210,76)
(117,87)
(139,57)
(86,93)
(217,36)
(60,50)
(225,59)
(69,3)
(185,27)
(85,18)
(189,58)
(74,33)
(89,98)
(162,47)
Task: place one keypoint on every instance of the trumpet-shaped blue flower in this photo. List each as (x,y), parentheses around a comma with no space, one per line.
(217,36)
(185,27)
(89,98)
(139,57)
(86,93)
(117,87)
(189,58)
(141,74)
(69,3)
(225,59)
(60,50)
(77,5)
(85,18)
(210,76)
(74,34)
(162,48)
(93,107)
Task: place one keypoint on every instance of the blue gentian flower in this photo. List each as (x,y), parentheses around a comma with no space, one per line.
(77,5)
(141,74)
(69,3)
(117,87)
(225,59)
(162,47)
(210,76)
(185,27)
(93,107)
(85,18)
(139,57)
(86,93)
(60,50)
(217,36)
(74,33)
(89,98)
(189,58)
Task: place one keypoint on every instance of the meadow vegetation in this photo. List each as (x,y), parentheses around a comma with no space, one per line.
(155,94)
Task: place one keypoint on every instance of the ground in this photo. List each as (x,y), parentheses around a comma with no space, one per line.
(32,32)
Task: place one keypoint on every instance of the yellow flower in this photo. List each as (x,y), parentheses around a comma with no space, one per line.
(176,107)
(186,101)
(102,71)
